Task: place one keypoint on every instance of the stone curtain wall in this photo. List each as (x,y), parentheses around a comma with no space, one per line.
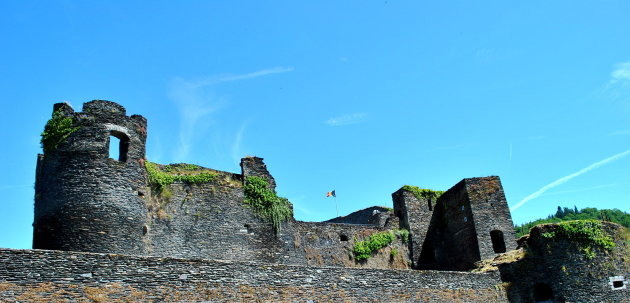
(330,244)
(56,276)
(363,216)
(209,221)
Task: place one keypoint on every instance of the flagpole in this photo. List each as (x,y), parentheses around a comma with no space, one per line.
(336,207)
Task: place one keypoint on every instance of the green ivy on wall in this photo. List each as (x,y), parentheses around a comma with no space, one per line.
(57,129)
(265,203)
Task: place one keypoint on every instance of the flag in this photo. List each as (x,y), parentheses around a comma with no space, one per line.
(331,194)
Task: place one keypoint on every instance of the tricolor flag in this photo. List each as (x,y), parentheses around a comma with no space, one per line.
(331,194)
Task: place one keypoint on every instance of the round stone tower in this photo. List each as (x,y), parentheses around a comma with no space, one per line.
(85,198)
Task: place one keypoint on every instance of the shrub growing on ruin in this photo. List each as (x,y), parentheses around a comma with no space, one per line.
(363,249)
(57,129)
(265,203)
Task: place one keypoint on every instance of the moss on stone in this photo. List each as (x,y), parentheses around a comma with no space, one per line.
(588,234)
(423,193)
(162,176)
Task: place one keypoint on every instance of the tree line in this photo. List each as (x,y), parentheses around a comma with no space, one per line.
(568,214)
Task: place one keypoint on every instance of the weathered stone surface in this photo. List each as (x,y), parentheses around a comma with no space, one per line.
(361,216)
(456,232)
(86,201)
(57,276)
(557,269)
(330,244)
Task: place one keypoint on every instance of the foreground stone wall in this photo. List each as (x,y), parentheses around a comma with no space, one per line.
(56,276)
(558,270)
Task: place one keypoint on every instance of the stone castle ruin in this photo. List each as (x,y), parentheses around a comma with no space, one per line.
(211,235)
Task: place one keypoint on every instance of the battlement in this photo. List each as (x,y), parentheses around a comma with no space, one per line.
(104,108)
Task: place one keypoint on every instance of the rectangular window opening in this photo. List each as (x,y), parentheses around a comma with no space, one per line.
(114,148)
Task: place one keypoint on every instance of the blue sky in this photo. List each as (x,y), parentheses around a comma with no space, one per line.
(357,96)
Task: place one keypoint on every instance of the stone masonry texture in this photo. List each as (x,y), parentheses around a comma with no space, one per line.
(103,233)
(565,272)
(56,276)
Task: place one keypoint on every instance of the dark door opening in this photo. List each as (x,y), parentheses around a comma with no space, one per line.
(542,293)
(427,255)
(498,243)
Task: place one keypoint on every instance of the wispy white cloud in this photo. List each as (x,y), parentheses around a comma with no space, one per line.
(347,119)
(620,133)
(453,147)
(156,150)
(229,78)
(565,179)
(304,210)
(236,146)
(195,100)
(621,74)
(563,192)
(619,82)
(297,205)
(193,104)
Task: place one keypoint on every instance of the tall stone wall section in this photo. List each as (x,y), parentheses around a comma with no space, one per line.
(84,200)
(453,232)
(415,215)
(56,276)
(491,216)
